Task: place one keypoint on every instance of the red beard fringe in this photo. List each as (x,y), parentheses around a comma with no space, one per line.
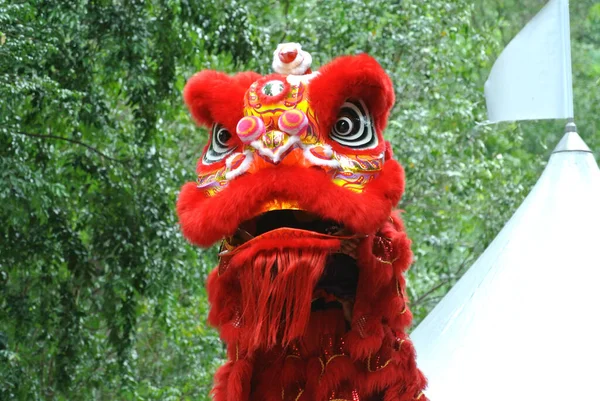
(276,289)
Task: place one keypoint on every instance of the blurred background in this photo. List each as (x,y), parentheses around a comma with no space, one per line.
(100,297)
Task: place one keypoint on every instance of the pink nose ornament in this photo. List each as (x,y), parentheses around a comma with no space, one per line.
(250,128)
(293,122)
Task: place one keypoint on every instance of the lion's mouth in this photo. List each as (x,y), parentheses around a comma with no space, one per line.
(294,219)
(336,287)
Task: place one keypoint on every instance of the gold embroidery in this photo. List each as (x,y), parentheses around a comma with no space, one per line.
(379,368)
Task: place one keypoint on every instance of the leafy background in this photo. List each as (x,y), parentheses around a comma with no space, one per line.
(100,297)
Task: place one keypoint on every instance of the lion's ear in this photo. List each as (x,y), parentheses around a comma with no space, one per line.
(215,97)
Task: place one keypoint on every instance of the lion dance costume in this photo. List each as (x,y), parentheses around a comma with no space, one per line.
(299,184)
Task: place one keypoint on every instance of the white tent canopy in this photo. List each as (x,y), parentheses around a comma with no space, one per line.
(524,322)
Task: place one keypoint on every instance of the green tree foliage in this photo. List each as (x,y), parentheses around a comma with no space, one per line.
(100,297)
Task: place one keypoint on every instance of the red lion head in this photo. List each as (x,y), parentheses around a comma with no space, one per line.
(299,184)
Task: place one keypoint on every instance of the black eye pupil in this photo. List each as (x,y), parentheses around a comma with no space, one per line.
(342,126)
(223,136)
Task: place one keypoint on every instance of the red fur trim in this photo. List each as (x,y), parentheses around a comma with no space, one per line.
(268,384)
(213,96)
(337,371)
(351,77)
(206,220)
(389,151)
(224,308)
(399,392)
(219,391)
(360,347)
(313,374)
(238,386)
(394,230)
(294,370)
(374,275)
(265,99)
(323,324)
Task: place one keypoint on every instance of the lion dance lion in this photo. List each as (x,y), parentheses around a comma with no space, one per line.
(299,184)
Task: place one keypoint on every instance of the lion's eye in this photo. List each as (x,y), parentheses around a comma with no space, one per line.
(354,126)
(220,145)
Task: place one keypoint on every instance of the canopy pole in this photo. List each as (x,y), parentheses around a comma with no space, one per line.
(568,67)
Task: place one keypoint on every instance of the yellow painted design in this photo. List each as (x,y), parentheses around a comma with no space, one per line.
(349,186)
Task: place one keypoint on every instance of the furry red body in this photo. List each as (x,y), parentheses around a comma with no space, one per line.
(292,332)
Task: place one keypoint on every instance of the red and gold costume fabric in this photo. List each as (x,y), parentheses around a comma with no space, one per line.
(299,185)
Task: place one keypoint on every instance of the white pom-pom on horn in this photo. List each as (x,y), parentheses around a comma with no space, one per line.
(290,59)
